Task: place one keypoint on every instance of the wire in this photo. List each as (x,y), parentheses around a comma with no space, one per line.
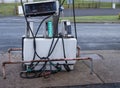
(62,3)
(32,66)
(41,24)
(58,17)
(28,28)
(34,36)
(26,19)
(52,47)
(74,16)
(34,41)
(66,63)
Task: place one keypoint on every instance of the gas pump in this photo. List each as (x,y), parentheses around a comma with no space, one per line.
(53,51)
(56,43)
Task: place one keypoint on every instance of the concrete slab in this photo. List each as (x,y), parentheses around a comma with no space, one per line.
(106,70)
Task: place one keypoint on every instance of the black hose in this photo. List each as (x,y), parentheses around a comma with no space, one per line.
(29,28)
(34,36)
(41,24)
(34,41)
(74,17)
(66,63)
(52,47)
(59,14)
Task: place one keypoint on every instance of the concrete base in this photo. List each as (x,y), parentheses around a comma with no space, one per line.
(106,70)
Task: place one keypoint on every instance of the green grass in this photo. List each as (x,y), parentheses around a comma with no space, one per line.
(118,5)
(7,9)
(113,18)
(90,4)
(105,5)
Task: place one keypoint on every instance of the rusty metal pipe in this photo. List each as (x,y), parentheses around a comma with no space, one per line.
(78,51)
(12,49)
(4,73)
(45,60)
(18,62)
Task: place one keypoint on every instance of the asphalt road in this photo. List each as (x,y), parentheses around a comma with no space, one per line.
(90,36)
(99,36)
(92,12)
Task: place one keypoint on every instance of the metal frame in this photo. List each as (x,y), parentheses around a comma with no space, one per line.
(62,59)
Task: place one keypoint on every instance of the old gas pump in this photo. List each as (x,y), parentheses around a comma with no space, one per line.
(56,42)
(52,51)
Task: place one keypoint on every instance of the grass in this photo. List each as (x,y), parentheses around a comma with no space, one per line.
(91,4)
(113,18)
(7,9)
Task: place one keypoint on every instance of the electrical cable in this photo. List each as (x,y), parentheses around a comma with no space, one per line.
(42,69)
(58,16)
(51,51)
(54,34)
(52,47)
(34,42)
(33,35)
(29,28)
(41,24)
(66,63)
(74,17)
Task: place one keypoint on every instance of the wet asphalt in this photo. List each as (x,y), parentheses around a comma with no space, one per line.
(92,12)
(95,36)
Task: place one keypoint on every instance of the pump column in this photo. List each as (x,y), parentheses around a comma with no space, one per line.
(55,25)
(28,32)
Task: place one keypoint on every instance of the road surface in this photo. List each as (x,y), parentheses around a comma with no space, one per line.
(92,12)
(90,36)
